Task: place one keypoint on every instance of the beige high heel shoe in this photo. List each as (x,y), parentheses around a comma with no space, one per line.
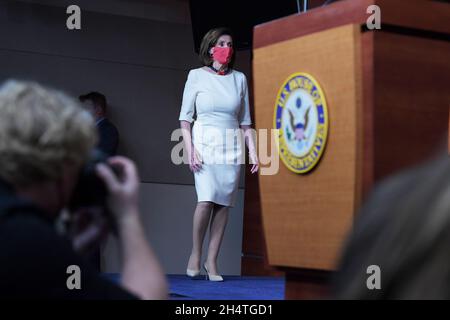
(212,277)
(192,273)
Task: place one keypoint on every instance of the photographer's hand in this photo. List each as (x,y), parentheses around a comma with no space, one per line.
(142,273)
(124,190)
(88,229)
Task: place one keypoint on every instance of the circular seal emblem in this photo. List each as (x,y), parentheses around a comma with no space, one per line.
(301,116)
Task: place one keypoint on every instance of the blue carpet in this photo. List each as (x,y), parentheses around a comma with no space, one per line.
(233,288)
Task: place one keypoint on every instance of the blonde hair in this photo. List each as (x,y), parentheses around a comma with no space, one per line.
(41,130)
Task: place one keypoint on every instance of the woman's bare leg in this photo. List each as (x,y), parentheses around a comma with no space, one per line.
(202,216)
(217,229)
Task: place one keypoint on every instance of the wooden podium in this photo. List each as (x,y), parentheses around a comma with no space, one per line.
(388,96)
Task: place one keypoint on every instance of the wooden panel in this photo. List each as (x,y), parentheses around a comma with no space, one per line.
(253,238)
(307,284)
(254,255)
(417,14)
(411,101)
(307,216)
(258,266)
(366,143)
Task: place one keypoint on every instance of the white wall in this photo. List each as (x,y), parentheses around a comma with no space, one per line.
(138,54)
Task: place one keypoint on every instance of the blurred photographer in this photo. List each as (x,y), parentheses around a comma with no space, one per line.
(403,229)
(45,140)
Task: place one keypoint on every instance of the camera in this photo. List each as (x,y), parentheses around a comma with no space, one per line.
(91,191)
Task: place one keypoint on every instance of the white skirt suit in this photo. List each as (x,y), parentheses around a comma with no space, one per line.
(220,102)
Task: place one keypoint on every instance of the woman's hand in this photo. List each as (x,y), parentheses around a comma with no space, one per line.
(250,141)
(255,161)
(195,163)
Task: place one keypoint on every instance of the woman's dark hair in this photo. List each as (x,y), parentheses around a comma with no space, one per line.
(210,40)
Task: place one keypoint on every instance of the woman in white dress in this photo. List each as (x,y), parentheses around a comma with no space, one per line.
(218,95)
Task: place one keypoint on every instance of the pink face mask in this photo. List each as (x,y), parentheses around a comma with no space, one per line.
(222,54)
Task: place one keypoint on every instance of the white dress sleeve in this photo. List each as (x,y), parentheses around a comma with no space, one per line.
(244,116)
(189,97)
